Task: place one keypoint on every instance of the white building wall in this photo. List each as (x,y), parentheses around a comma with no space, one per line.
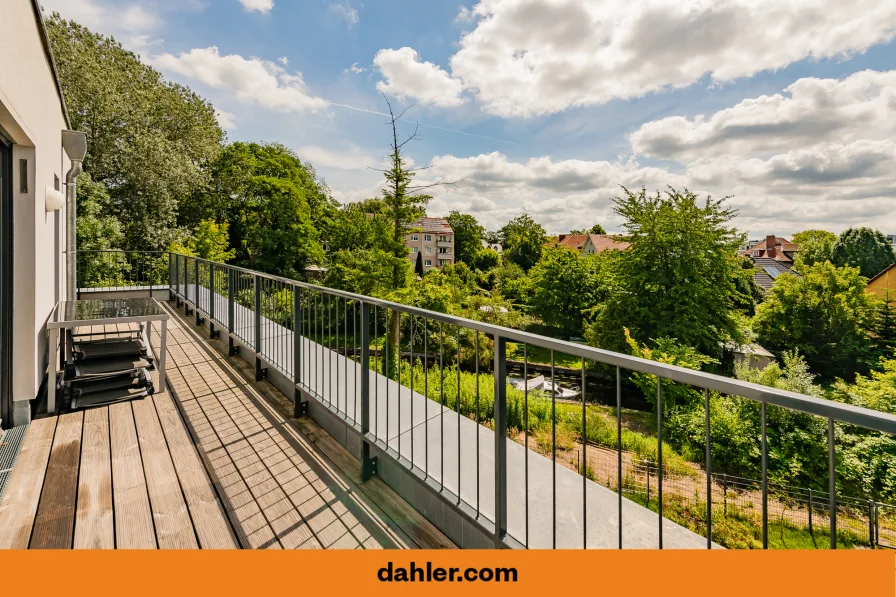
(32,117)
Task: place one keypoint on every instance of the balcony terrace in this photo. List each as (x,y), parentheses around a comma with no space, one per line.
(279,429)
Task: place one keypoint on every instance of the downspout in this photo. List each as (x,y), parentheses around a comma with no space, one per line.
(71,233)
(75,145)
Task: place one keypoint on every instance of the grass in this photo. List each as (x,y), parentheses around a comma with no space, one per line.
(542,356)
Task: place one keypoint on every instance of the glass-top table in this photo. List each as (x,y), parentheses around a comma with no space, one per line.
(68,315)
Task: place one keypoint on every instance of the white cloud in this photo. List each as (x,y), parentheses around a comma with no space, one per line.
(132,24)
(227,120)
(861,106)
(406,76)
(357,69)
(252,80)
(346,11)
(352,158)
(283,60)
(530,57)
(263,6)
(465,15)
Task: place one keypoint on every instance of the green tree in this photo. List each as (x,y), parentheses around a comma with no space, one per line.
(149,140)
(276,207)
(815,247)
(365,271)
(211,241)
(522,239)
(825,315)
(98,231)
(485,260)
(678,277)
(564,285)
(865,249)
(596,229)
(418,264)
(468,236)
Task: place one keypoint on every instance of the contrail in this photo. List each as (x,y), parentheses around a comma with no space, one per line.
(428,126)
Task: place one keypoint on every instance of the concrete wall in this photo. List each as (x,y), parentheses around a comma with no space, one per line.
(31,116)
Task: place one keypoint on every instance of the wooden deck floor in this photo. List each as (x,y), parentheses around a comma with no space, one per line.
(213,463)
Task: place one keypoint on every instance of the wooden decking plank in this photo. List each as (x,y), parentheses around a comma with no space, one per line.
(95,520)
(209,519)
(174,529)
(54,525)
(133,517)
(19,505)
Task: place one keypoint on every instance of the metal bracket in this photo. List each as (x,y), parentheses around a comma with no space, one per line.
(187,309)
(213,333)
(260,372)
(200,320)
(368,468)
(301,408)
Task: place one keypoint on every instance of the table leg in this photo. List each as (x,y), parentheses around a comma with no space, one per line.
(51,373)
(162,356)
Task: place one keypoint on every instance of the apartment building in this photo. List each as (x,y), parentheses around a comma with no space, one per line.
(434,239)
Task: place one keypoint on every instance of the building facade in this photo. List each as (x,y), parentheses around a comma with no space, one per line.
(33,165)
(432,238)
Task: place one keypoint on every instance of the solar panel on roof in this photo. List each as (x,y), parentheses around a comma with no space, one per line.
(772,272)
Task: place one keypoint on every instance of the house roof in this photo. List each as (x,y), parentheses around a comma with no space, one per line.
(601,242)
(764,265)
(881,273)
(434,225)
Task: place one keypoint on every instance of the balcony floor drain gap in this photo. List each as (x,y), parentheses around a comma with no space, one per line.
(10,444)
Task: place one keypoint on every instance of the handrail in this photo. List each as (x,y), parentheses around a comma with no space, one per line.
(845,413)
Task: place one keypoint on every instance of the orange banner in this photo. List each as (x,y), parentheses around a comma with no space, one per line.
(467,573)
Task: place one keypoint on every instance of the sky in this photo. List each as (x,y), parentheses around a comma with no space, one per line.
(551,107)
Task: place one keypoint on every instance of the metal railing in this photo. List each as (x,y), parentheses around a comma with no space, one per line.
(112,270)
(355,355)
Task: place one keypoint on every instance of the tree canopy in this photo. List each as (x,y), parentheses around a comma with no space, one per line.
(564,285)
(864,248)
(815,247)
(522,239)
(468,236)
(677,279)
(825,315)
(148,140)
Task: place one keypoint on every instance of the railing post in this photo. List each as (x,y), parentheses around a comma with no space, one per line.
(297,408)
(500,368)
(231,311)
(832,483)
(177,280)
(196,290)
(259,370)
(212,334)
(172,281)
(368,464)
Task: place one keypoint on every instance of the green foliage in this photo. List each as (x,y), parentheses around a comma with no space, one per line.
(564,285)
(275,206)
(596,229)
(97,229)
(865,249)
(148,140)
(867,464)
(364,271)
(522,239)
(678,278)
(468,235)
(825,315)
(511,282)
(210,241)
(360,226)
(816,246)
(485,259)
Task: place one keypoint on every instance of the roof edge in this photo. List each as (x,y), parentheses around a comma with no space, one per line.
(45,41)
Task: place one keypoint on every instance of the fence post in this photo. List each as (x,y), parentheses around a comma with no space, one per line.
(871,522)
(368,464)
(196,290)
(500,407)
(725,494)
(231,291)
(811,532)
(259,370)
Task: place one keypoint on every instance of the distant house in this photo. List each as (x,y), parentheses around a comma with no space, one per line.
(493,246)
(771,258)
(884,284)
(589,244)
(753,355)
(434,238)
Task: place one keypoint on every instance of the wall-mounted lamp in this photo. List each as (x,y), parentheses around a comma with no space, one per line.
(53,200)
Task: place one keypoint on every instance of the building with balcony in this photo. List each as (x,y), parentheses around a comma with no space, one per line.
(274,420)
(434,239)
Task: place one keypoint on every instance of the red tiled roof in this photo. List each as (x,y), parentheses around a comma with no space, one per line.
(602,242)
(434,225)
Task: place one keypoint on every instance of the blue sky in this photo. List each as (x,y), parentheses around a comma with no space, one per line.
(547,106)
